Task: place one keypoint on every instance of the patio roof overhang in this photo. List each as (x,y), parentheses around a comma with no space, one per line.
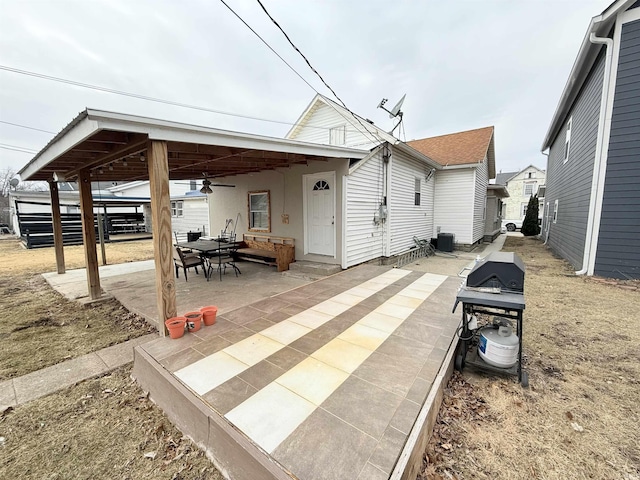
(113,146)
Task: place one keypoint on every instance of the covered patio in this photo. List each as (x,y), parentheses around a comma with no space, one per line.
(119,147)
(338,378)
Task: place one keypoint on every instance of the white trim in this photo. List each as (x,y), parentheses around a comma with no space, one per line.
(567,140)
(365,159)
(555,210)
(343,225)
(582,65)
(92,121)
(623,18)
(386,245)
(58,146)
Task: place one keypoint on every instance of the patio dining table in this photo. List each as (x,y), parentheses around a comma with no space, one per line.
(210,248)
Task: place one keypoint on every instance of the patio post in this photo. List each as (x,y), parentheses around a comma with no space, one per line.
(158,163)
(89,234)
(57,226)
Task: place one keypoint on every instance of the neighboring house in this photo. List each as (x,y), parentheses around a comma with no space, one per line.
(467,161)
(189,207)
(592,194)
(31,214)
(520,185)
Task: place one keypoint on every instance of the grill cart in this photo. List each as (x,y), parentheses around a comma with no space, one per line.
(494,287)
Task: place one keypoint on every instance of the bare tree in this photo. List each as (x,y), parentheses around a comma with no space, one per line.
(7,173)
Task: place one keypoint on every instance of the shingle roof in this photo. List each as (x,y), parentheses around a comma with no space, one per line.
(502,178)
(456,148)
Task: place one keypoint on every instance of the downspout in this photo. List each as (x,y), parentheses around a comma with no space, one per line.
(546,219)
(600,155)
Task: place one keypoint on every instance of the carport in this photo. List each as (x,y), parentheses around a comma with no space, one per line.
(119,147)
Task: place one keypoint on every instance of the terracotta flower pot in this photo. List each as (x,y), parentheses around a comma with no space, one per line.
(194,321)
(209,314)
(175,326)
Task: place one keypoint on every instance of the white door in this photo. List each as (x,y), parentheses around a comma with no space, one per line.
(320,213)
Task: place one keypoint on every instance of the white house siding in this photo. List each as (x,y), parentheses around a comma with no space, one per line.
(195,216)
(515,187)
(406,219)
(286,200)
(479,200)
(364,193)
(320,120)
(453,210)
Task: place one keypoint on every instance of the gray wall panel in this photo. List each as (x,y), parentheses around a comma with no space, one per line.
(570,182)
(618,252)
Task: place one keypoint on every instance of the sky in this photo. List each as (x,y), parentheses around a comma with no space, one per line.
(462,64)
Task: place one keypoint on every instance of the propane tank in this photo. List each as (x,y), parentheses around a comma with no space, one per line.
(498,347)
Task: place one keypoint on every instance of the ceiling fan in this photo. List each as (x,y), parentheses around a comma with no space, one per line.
(206,184)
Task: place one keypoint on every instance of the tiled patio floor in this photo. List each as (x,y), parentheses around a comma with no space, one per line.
(326,380)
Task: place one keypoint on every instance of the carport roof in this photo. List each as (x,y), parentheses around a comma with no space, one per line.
(113,145)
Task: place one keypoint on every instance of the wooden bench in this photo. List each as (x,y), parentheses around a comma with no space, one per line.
(278,251)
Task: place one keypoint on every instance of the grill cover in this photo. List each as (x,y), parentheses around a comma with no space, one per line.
(503,270)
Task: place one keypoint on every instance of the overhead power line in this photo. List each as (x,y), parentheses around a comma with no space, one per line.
(16,148)
(144,97)
(314,70)
(25,126)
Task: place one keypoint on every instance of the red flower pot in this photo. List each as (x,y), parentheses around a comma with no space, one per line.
(209,314)
(194,321)
(175,326)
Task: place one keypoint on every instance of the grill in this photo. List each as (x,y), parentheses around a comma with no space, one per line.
(499,272)
(495,287)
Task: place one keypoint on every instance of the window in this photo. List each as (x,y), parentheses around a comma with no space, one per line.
(524,208)
(192,185)
(337,135)
(529,188)
(530,175)
(416,196)
(567,140)
(176,208)
(555,211)
(259,211)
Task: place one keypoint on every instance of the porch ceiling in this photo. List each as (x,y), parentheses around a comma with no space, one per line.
(114,147)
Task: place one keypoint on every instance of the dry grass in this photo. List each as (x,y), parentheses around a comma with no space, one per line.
(18,260)
(580,417)
(39,327)
(99,429)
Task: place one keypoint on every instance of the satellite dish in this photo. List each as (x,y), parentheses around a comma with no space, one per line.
(14,182)
(395,111)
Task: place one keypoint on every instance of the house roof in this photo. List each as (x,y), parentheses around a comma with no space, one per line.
(600,25)
(504,178)
(462,148)
(356,121)
(362,125)
(97,139)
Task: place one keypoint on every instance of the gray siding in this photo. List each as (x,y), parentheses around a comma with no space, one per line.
(618,253)
(570,182)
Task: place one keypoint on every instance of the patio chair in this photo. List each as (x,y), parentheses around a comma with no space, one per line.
(221,259)
(186,261)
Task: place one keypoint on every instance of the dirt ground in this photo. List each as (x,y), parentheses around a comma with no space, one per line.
(38,320)
(103,428)
(580,416)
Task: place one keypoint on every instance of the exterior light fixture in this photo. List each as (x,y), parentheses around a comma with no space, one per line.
(205,187)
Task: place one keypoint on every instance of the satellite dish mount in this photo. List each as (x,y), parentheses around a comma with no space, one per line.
(395,112)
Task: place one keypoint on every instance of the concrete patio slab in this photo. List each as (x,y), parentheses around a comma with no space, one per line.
(295,389)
